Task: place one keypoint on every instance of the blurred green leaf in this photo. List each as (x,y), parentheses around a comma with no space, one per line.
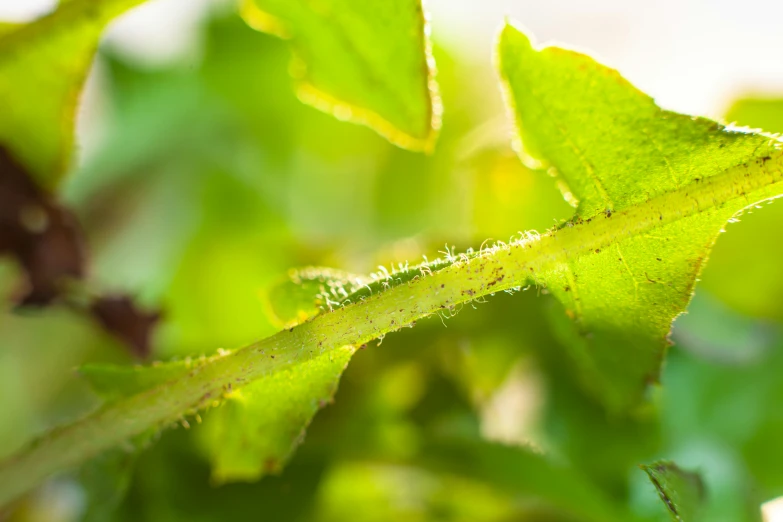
(744,269)
(370,491)
(681,491)
(105,485)
(253,431)
(43,66)
(615,151)
(720,406)
(7,27)
(765,113)
(364,61)
(307,292)
(171,484)
(527,476)
(107,478)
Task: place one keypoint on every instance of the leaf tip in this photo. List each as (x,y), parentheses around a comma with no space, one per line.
(512,38)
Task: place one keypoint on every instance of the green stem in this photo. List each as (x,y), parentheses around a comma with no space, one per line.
(492,270)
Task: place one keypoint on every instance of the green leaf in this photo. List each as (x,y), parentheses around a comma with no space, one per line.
(623,273)
(256,430)
(615,151)
(43,66)
(528,476)
(681,491)
(757,113)
(305,293)
(106,479)
(474,482)
(607,141)
(384,492)
(744,271)
(366,61)
(253,431)
(7,27)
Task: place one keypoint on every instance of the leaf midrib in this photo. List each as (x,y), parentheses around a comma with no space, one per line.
(491,270)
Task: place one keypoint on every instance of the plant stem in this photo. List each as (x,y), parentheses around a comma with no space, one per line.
(492,270)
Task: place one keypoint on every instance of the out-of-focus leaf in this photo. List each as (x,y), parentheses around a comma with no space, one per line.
(387,493)
(307,292)
(171,484)
(364,61)
(744,269)
(7,27)
(527,476)
(757,113)
(255,430)
(106,479)
(714,332)
(573,422)
(616,152)
(681,491)
(43,65)
(720,408)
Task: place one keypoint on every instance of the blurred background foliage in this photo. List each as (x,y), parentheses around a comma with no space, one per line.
(211,180)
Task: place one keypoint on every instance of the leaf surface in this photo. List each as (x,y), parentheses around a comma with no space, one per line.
(43,65)
(306,293)
(746,270)
(653,190)
(363,61)
(681,491)
(528,476)
(623,268)
(253,431)
(615,151)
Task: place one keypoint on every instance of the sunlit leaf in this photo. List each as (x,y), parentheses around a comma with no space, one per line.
(363,61)
(616,152)
(654,189)
(744,268)
(257,429)
(43,66)
(306,293)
